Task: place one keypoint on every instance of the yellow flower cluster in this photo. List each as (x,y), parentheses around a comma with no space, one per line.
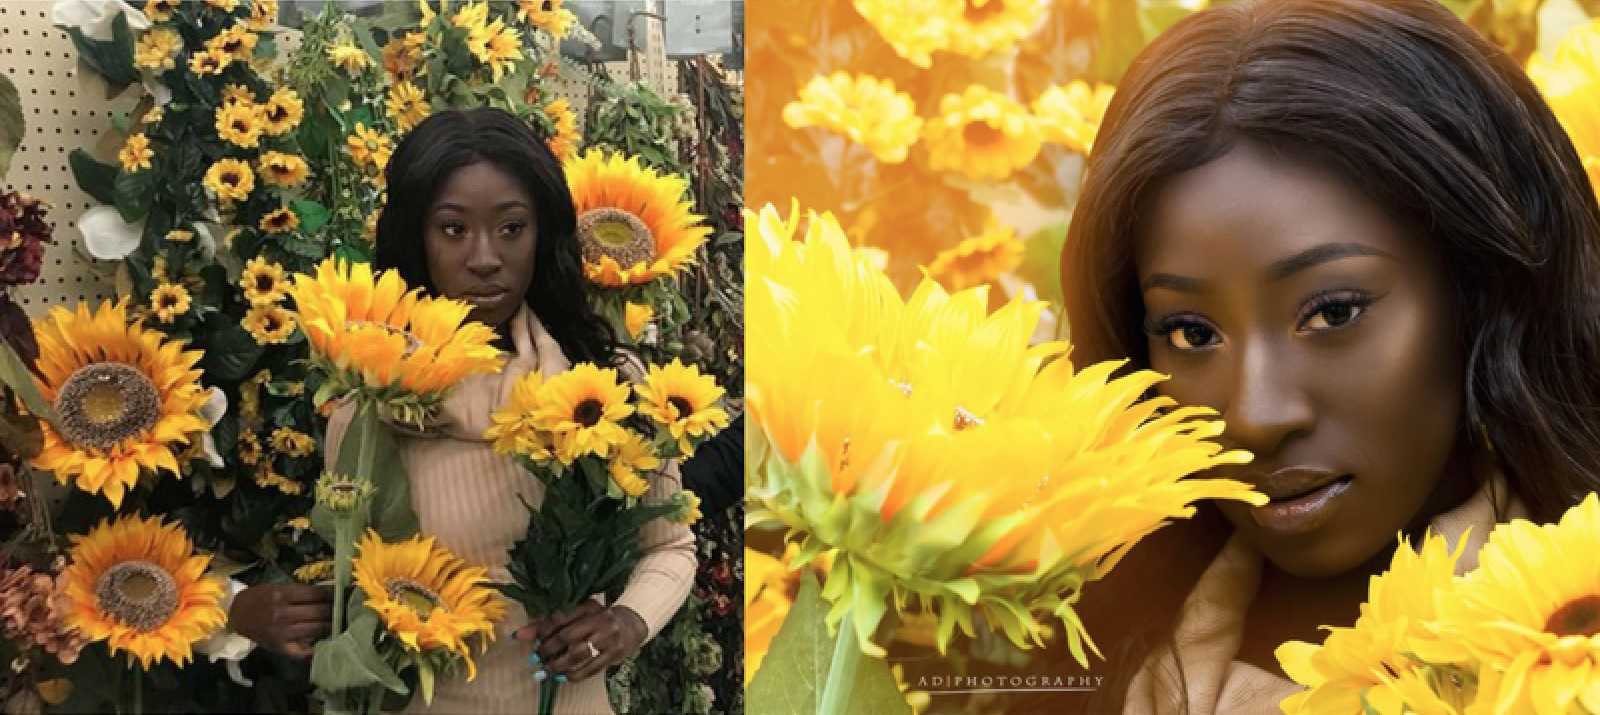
(864,108)
(493,44)
(156,50)
(974,28)
(1569,79)
(546,15)
(407,107)
(369,148)
(979,259)
(136,153)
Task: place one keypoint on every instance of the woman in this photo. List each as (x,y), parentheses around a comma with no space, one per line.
(1355,229)
(479,211)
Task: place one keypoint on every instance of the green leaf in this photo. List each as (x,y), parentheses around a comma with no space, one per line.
(103,57)
(230,354)
(350,660)
(795,670)
(397,16)
(1462,8)
(97,179)
(132,192)
(1041,262)
(425,680)
(12,125)
(1155,16)
(18,377)
(391,512)
(312,215)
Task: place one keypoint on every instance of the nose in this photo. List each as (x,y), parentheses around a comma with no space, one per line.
(483,256)
(1269,405)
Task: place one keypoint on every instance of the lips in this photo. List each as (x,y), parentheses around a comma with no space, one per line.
(1302,499)
(1290,482)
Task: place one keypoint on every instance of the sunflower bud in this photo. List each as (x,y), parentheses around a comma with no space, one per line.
(342,494)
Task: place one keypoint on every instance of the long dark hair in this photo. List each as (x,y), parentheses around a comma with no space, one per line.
(1432,122)
(450,140)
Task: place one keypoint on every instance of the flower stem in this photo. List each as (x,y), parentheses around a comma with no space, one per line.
(547,696)
(842,672)
(341,570)
(138,687)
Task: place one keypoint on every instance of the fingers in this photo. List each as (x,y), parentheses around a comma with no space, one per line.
(307,632)
(301,593)
(307,613)
(297,650)
(527,632)
(576,638)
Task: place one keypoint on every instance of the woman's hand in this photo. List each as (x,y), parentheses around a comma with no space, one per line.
(585,641)
(283,617)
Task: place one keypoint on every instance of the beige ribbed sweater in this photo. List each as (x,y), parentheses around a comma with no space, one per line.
(467,496)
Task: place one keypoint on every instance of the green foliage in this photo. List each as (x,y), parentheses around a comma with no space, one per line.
(113,58)
(12,125)
(633,119)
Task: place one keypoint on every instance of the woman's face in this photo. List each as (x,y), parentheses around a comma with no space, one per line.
(480,240)
(1322,331)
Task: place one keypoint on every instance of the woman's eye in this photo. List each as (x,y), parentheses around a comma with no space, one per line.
(512,229)
(453,230)
(1191,336)
(1332,314)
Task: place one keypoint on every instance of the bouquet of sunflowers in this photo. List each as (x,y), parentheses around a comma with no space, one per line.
(585,435)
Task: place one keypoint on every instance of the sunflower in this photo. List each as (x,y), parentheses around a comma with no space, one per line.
(283,111)
(688,508)
(223,5)
(369,332)
(136,153)
(581,409)
(547,15)
(1368,661)
(230,180)
(864,108)
(179,235)
(684,401)
(987,26)
(979,259)
(891,416)
(293,442)
(263,15)
(126,398)
(169,300)
(914,28)
(269,324)
(209,62)
(495,46)
(566,139)
(351,58)
(237,42)
(237,94)
(1569,79)
(514,428)
(403,55)
(472,17)
(768,593)
(136,584)
(429,599)
(263,281)
(1528,616)
(160,10)
(240,123)
(280,220)
(153,117)
(1071,115)
(633,223)
(983,134)
(369,147)
(635,317)
(314,571)
(634,455)
(249,448)
(282,170)
(269,478)
(155,50)
(407,106)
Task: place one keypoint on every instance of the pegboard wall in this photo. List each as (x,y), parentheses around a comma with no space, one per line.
(66,107)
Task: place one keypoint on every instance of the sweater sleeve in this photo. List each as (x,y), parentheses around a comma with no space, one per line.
(661,580)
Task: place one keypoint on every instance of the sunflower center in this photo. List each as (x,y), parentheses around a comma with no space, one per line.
(106,402)
(276,113)
(681,405)
(545,6)
(615,233)
(978,11)
(588,412)
(265,283)
(240,126)
(230,178)
(413,595)
(168,300)
(979,134)
(1580,617)
(138,594)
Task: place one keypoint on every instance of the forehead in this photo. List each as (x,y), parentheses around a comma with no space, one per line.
(480,186)
(1251,207)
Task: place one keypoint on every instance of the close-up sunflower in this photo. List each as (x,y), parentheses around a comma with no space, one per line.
(914,28)
(565,142)
(1368,662)
(369,333)
(240,123)
(169,300)
(402,56)
(136,584)
(1569,80)
(135,153)
(230,180)
(237,42)
(209,62)
(249,448)
(496,46)
(407,106)
(983,27)
(514,427)
(868,110)
(684,401)
(635,316)
(981,133)
(156,50)
(350,58)
(283,170)
(160,10)
(263,281)
(634,455)
(237,94)
(429,599)
(768,593)
(280,220)
(127,399)
(873,442)
(979,259)
(634,224)
(293,442)
(369,147)
(1071,115)
(283,111)
(547,15)
(263,15)
(581,408)
(269,324)
(1528,617)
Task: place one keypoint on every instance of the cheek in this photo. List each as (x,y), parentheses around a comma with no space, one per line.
(444,265)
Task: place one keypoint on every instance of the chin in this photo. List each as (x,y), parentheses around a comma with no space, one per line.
(1334,550)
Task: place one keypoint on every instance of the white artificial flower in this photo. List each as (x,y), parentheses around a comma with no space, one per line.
(224,644)
(94,17)
(216,406)
(106,236)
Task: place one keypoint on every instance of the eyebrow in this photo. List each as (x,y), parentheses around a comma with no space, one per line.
(503,205)
(1280,269)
